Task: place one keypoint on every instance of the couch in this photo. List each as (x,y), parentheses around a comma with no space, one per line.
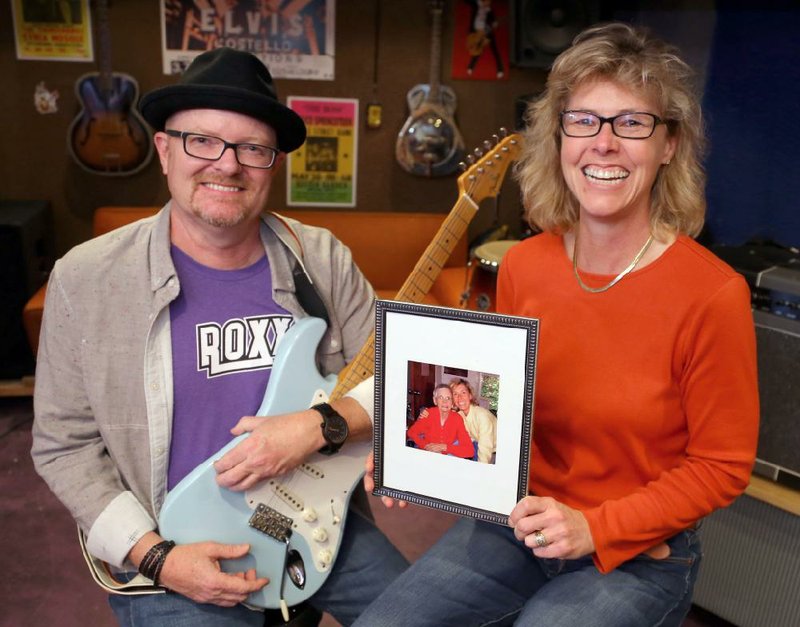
(385,245)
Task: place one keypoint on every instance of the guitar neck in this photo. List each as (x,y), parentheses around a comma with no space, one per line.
(435,76)
(415,288)
(481,180)
(103,48)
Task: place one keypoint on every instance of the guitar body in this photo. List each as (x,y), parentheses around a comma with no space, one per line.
(476,42)
(109,136)
(430,144)
(315,496)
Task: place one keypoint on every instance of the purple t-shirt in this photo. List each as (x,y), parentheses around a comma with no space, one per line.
(225,329)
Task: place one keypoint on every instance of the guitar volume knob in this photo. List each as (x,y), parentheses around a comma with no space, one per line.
(325,557)
(309,514)
(320,534)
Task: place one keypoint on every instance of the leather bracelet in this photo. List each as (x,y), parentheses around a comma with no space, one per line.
(153,560)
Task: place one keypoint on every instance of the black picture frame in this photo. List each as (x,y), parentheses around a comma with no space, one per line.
(483,344)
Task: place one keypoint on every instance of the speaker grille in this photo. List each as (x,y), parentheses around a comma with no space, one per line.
(751,565)
(778,342)
(23,257)
(544,29)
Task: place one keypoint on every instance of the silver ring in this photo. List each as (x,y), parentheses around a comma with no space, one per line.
(540,539)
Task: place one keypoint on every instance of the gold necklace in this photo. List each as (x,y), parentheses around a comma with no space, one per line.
(616,279)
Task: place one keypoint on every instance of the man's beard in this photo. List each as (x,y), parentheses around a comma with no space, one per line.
(224,218)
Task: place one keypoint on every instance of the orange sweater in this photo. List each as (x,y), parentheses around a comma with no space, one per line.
(646,400)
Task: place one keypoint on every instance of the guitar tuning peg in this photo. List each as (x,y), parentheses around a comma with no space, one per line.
(478,152)
(470,159)
(496,139)
(462,166)
(487,144)
(503,131)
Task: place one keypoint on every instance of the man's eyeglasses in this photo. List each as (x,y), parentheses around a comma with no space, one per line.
(212,148)
(626,125)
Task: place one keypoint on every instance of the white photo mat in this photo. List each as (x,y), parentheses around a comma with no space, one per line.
(469,341)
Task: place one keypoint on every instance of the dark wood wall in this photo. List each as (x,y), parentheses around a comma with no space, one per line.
(34,162)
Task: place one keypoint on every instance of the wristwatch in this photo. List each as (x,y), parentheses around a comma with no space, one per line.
(334,428)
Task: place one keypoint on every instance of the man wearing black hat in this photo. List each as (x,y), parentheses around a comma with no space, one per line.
(158,337)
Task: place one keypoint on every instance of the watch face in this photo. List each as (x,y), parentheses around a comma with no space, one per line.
(335,429)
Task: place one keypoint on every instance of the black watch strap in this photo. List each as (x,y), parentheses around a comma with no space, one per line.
(334,428)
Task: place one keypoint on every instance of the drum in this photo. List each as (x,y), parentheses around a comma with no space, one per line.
(486,258)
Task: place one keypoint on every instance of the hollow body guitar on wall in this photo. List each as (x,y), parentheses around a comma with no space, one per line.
(430,144)
(294,522)
(108,136)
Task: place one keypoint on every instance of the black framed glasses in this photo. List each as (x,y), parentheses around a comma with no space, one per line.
(212,148)
(636,125)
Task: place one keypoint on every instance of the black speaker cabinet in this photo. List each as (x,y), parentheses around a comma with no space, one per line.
(23,262)
(778,341)
(542,29)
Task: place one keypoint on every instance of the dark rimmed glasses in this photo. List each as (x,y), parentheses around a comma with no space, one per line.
(636,125)
(212,148)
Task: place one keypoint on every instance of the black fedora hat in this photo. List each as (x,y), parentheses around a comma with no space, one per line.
(231,80)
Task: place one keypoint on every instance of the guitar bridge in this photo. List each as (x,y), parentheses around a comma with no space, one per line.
(271,522)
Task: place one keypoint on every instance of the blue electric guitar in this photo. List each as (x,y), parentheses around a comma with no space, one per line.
(294,522)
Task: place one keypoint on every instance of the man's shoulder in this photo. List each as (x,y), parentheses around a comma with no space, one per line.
(109,253)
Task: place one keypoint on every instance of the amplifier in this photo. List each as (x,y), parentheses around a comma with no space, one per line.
(773,274)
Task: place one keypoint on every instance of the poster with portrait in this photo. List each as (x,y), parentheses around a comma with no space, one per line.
(295,39)
(446,381)
(481,36)
(50,30)
(322,172)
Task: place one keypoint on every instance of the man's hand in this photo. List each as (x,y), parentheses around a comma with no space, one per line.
(436,447)
(193,570)
(277,444)
(369,484)
(564,529)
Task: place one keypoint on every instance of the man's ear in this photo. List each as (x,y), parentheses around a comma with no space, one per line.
(161,141)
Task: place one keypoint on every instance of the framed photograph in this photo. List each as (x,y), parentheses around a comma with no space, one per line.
(453,407)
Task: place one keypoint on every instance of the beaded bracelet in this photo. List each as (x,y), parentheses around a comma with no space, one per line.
(154,559)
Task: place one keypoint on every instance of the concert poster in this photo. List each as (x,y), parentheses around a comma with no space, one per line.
(52,30)
(322,172)
(295,39)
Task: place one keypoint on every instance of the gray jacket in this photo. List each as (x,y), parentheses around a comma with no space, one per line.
(103,394)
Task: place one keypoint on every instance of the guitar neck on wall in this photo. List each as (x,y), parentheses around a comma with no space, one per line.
(108,136)
(430,144)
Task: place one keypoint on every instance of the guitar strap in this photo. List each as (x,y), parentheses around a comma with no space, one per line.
(306,293)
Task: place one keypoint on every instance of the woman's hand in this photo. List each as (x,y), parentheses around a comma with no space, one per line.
(551,529)
(369,484)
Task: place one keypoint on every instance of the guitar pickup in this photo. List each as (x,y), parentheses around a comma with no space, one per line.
(272,523)
(312,470)
(288,497)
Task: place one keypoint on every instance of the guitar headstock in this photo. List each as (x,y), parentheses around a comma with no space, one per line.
(484,175)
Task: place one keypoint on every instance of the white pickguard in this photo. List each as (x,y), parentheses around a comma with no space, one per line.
(315,495)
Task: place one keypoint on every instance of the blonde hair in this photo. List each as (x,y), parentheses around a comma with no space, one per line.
(649,67)
(456,382)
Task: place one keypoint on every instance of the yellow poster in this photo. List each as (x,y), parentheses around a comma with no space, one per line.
(52,30)
(322,172)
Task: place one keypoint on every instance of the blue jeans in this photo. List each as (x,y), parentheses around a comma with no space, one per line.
(366,564)
(480,574)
